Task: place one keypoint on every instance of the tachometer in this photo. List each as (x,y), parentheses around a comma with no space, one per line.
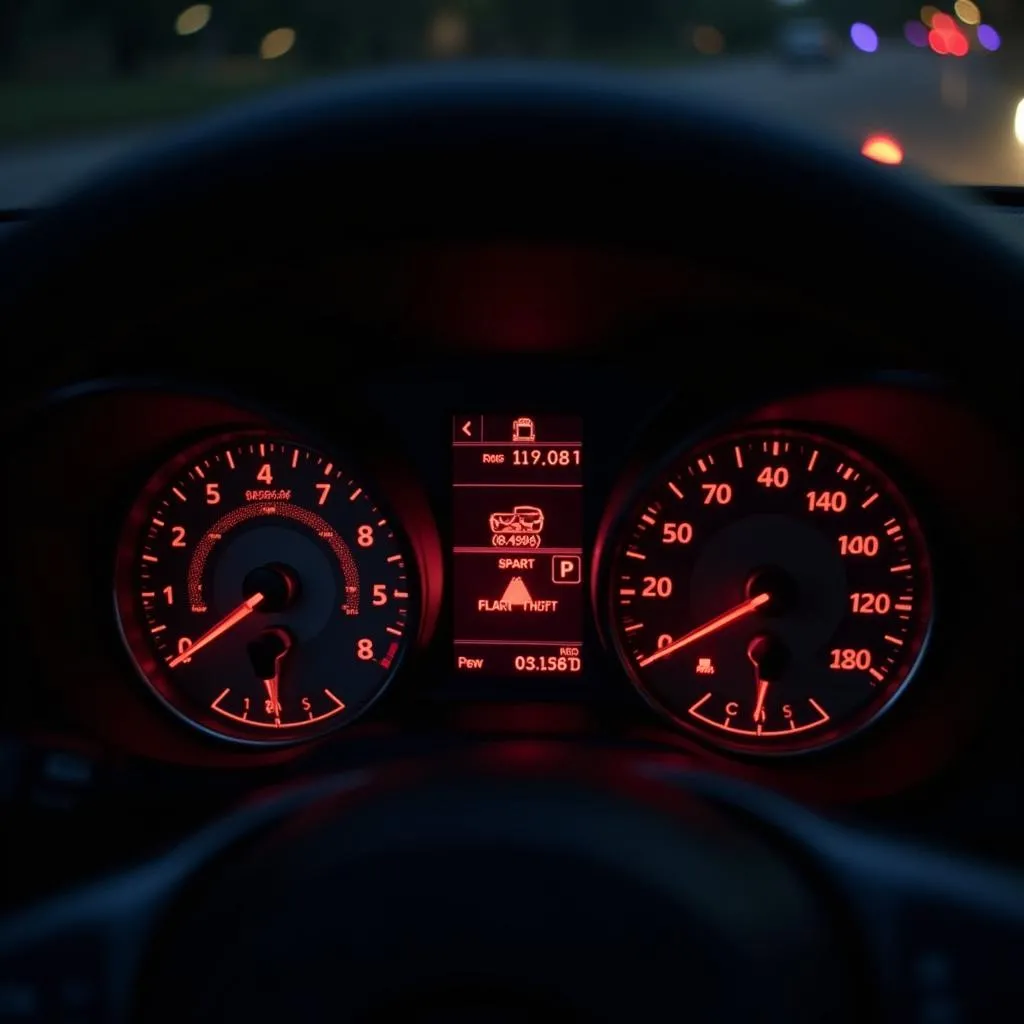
(770,591)
(262,592)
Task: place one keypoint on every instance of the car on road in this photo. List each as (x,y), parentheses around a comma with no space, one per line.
(806,42)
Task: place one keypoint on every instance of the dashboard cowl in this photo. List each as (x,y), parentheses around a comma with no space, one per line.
(567,154)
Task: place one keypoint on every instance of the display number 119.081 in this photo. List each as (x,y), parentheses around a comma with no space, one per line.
(546,457)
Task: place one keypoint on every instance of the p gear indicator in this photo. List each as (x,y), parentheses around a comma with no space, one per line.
(518,557)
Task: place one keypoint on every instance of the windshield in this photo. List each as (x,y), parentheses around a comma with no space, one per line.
(82,82)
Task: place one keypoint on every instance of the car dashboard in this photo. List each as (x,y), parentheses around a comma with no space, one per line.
(515,514)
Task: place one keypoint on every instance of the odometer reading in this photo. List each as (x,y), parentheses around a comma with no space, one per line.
(548,663)
(771,591)
(262,593)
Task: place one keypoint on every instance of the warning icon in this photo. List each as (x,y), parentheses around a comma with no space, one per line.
(516,598)
(516,594)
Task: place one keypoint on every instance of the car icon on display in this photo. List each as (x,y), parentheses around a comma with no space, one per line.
(522,519)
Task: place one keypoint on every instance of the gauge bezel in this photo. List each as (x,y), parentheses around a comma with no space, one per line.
(613,539)
(127,612)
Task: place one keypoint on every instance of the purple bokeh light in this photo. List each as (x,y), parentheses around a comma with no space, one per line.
(864,37)
(989,37)
(916,33)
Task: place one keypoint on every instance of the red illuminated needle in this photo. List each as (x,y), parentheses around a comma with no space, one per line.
(762,692)
(229,621)
(762,651)
(713,626)
(273,684)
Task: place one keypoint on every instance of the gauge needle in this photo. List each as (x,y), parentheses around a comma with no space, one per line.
(760,649)
(762,692)
(266,653)
(229,621)
(713,626)
(273,685)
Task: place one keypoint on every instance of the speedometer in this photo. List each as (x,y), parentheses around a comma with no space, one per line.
(263,593)
(770,591)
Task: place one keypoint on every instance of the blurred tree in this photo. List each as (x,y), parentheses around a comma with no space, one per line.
(745,24)
(527,28)
(887,16)
(13,16)
(135,30)
(132,31)
(609,22)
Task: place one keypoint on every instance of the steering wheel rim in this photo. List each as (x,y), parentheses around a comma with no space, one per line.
(554,153)
(919,933)
(477,880)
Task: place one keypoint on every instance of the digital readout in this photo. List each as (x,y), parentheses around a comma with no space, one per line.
(518,556)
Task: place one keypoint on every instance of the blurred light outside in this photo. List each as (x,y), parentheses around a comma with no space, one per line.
(967,11)
(1018,123)
(864,37)
(958,44)
(988,37)
(448,35)
(883,149)
(277,43)
(708,40)
(945,36)
(193,19)
(916,33)
(928,12)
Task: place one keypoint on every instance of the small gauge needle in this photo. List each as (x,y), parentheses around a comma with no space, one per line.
(272,688)
(228,622)
(760,650)
(266,653)
(273,685)
(713,626)
(762,692)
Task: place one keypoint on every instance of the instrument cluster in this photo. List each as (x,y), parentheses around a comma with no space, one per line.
(762,587)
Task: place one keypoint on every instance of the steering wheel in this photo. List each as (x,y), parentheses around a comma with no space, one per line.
(527,877)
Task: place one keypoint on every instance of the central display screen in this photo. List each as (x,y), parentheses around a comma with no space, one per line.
(517,547)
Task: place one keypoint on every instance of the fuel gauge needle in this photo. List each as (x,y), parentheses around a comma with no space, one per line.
(273,685)
(275,705)
(762,692)
(760,650)
(229,621)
